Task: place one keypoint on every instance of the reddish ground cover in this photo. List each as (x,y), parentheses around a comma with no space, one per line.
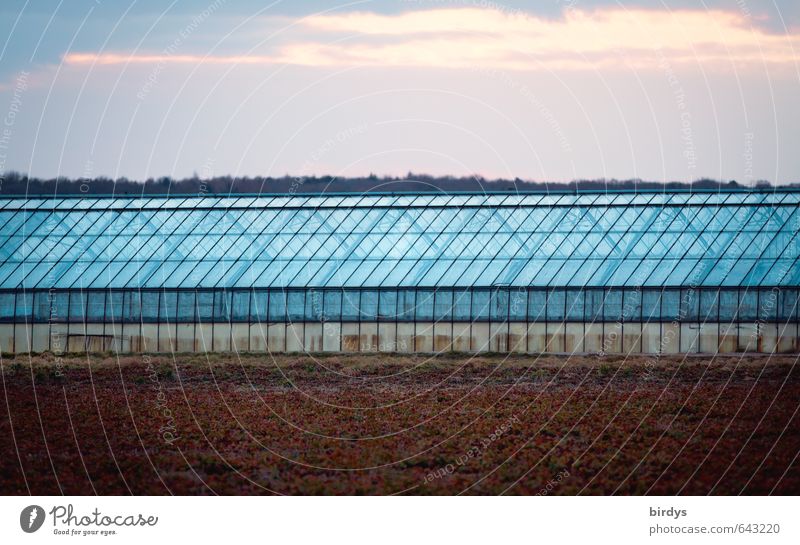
(389,424)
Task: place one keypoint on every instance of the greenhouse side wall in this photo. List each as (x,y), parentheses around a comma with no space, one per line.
(403,337)
(559,320)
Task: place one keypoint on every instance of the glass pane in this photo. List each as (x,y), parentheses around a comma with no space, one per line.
(518,305)
(708,305)
(632,305)
(369,305)
(612,305)
(536,306)
(387,309)
(499,310)
(480,305)
(258,306)
(651,305)
(443,305)
(748,305)
(350,305)
(574,305)
(405,305)
(333,305)
(114,306)
(77,306)
(728,304)
(96,306)
(132,305)
(296,305)
(671,305)
(240,307)
(185,311)
(24,309)
(168,307)
(594,305)
(767,305)
(787,305)
(314,304)
(556,300)
(149,306)
(41,306)
(424,307)
(205,306)
(462,301)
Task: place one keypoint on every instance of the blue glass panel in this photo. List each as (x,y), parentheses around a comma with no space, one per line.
(767,305)
(574,303)
(240,306)
(780,273)
(131,307)
(671,305)
(406,305)
(787,305)
(756,274)
(24,306)
(77,306)
(424,305)
(185,311)
(167,306)
(350,305)
(296,305)
(369,305)
(556,305)
(583,271)
(462,305)
(59,306)
(258,306)
(96,306)
(594,304)
(748,305)
(114,306)
(690,302)
(681,270)
(632,305)
(518,304)
(481,300)
(41,307)
(205,306)
(709,305)
(149,306)
(387,309)
(612,305)
(314,305)
(443,305)
(651,305)
(333,305)
(499,305)
(537,304)
(728,305)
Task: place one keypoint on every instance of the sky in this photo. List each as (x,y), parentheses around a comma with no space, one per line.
(552,90)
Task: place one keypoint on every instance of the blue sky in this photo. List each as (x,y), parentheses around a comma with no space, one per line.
(553,90)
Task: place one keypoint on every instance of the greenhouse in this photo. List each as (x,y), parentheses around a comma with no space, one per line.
(573,272)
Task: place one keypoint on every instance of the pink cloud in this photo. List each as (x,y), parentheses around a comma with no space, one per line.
(492,39)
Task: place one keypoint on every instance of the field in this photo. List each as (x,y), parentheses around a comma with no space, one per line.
(381,424)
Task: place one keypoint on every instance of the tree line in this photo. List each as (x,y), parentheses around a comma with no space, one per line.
(14,183)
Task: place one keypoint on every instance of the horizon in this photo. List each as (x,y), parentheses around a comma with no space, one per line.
(16,185)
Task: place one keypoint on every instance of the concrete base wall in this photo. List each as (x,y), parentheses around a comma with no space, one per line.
(427,337)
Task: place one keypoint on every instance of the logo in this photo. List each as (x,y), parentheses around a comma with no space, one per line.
(31,518)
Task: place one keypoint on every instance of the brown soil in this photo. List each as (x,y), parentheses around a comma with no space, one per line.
(380,424)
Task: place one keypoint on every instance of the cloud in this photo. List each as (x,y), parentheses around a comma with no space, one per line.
(493,39)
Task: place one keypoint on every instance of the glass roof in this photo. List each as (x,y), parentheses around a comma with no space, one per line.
(425,240)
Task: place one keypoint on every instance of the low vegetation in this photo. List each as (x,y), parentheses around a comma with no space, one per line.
(373,424)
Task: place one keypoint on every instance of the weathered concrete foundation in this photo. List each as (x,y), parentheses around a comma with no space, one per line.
(426,337)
